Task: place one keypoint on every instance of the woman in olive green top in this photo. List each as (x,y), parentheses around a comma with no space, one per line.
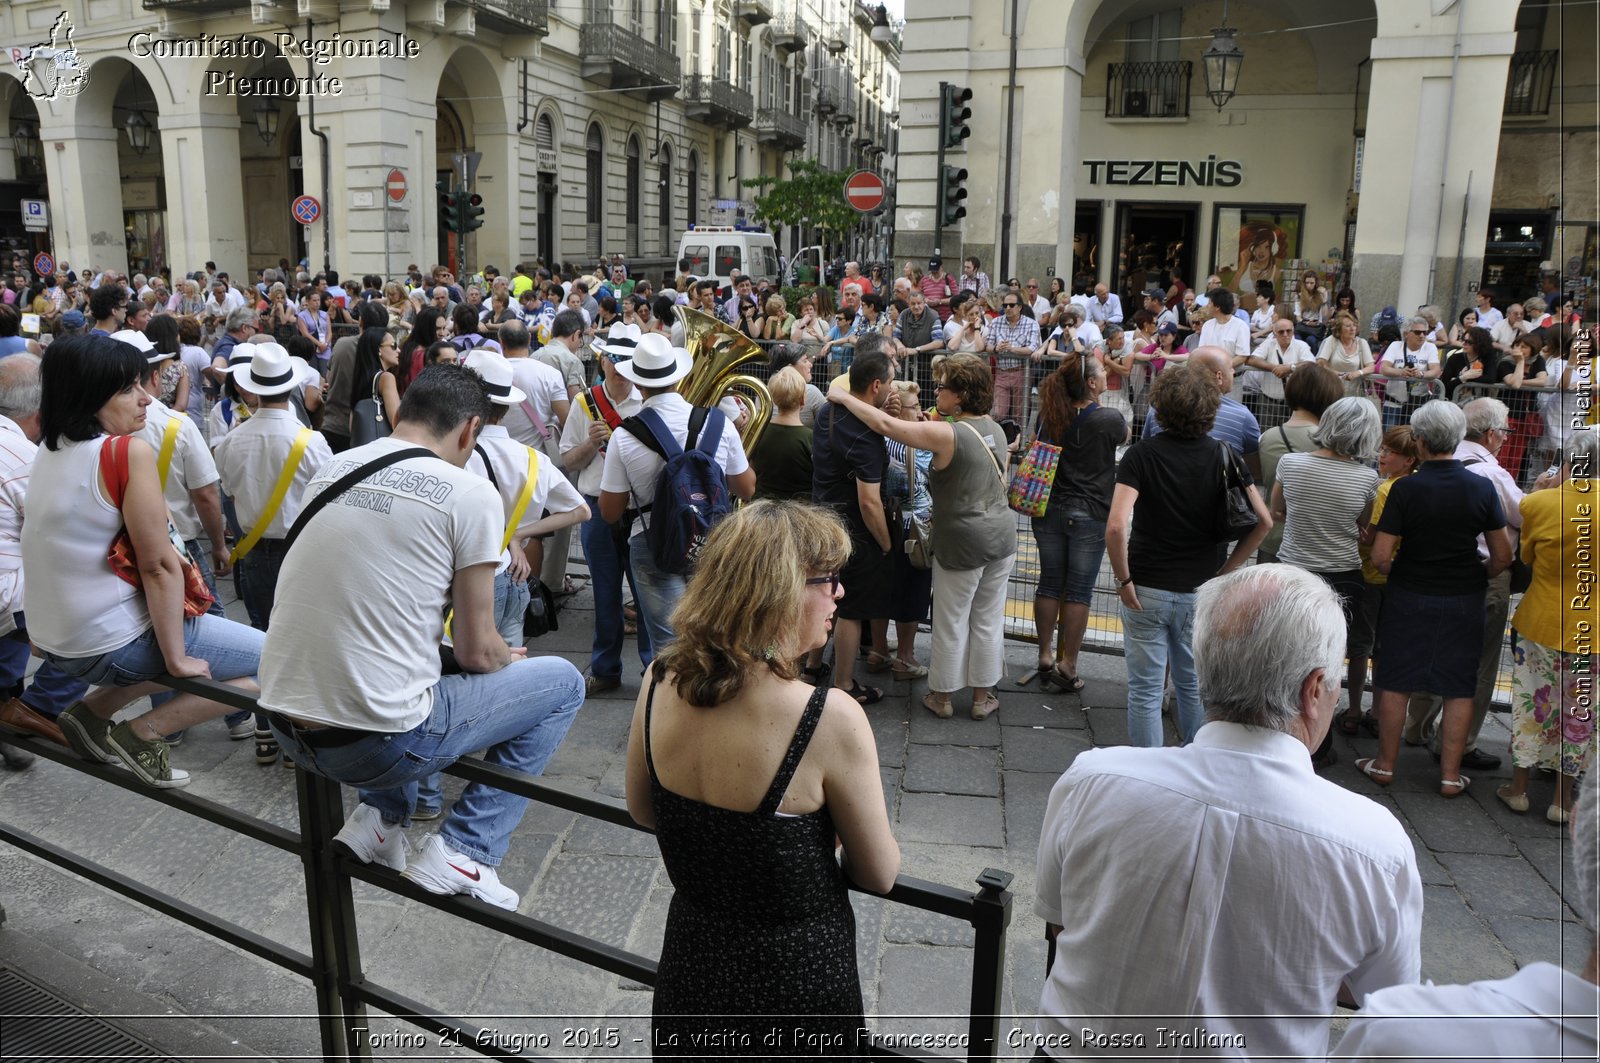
(974,533)
(782,456)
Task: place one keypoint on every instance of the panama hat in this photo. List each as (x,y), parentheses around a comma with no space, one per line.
(656,363)
(496,373)
(621,342)
(267,372)
(139,340)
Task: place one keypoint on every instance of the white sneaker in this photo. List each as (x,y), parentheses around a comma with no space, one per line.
(440,869)
(365,837)
(245,728)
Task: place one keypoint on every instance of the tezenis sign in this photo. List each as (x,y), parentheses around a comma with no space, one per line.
(1212,172)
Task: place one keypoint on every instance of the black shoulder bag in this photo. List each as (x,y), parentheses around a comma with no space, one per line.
(1236,517)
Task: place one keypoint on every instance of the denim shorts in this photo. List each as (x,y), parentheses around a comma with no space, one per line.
(1071,546)
(231,649)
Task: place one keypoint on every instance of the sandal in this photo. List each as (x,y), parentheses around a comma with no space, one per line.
(982,710)
(864,695)
(904,669)
(630,612)
(1054,677)
(818,675)
(1454,787)
(1349,723)
(1367,766)
(878,663)
(940,707)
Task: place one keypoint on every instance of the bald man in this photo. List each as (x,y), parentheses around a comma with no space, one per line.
(1235,425)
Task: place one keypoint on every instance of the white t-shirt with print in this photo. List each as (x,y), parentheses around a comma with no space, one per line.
(509,459)
(1422,358)
(368,585)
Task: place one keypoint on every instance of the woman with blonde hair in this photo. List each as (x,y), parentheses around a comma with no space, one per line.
(1310,308)
(282,322)
(778,322)
(750,778)
(782,456)
(808,329)
(1346,351)
(968,335)
(974,533)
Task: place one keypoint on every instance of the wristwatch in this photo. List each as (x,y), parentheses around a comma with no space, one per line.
(1121,583)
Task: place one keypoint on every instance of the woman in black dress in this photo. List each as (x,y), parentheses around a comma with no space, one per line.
(749,776)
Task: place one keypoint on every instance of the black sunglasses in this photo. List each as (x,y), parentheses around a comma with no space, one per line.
(1010,306)
(831,579)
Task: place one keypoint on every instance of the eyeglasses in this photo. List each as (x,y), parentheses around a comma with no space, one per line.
(1034,287)
(831,580)
(1419,332)
(1011,306)
(1284,331)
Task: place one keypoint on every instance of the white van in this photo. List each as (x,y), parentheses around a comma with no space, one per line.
(715,251)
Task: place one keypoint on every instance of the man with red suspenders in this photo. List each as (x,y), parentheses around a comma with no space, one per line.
(594,416)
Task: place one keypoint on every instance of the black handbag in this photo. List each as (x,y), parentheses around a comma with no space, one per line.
(1237,517)
(540,616)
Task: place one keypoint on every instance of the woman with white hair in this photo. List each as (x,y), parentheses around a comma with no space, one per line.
(1427,544)
(1322,498)
(1552,685)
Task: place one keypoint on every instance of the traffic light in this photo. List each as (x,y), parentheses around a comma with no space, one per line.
(951,193)
(472,213)
(449,206)
(953,115)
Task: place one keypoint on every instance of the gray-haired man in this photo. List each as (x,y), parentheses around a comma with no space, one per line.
(1232,841)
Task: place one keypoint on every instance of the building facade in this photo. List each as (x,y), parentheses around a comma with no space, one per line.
(165,133)
(1420,147)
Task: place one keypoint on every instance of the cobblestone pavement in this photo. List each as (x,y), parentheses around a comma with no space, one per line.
(963,796)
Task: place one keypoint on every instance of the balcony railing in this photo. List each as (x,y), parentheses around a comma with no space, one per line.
(195,5)
(863,13)
(828,99)
(835,37)
(753,12)
(780,129)
(619,59)
(1529,81)
(512,16)
(717,102)
(789,32)
(1148,90)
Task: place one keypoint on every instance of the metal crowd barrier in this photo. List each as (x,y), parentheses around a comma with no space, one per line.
(333,967)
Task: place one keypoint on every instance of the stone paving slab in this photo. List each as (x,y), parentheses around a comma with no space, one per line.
(1034,706)
(1503,885)
(1041,749)
(1445,828)
(947,769)
(1458,944)
(949,819)
(1563,942)
(1552,858)
(960,729)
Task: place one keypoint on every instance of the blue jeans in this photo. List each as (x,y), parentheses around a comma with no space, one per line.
(232,650)
(50,691)
(520,714)
(510,602)
(1071,546)
(656,593)
(1158,637)
(606,549)
(258,580)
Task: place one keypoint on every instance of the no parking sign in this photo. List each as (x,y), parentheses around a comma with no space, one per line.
(306,210)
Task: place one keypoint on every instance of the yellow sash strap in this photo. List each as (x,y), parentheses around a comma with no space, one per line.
(280,490)
(169,443)
(516,517)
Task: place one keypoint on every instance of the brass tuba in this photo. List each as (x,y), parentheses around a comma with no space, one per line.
(718,350)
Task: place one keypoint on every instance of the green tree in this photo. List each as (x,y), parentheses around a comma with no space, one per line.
(811,196)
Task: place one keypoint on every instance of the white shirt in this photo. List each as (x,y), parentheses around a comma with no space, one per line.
(1271,351)
(251,459)
(1478,459)
(192,466)
(1108,311)
(631,467)
(544,387)
(1231,334)
(1041,307)
(1488,319)
(576,432)
(509,460)
(1504,331)
(1089,333)
(1541,1012)
(1396,354)
(1562,411)
(370,584)
(1217,882)
(16,462)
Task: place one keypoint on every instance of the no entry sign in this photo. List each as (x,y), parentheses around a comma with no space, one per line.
(306,209)
(864,191)
(395,186)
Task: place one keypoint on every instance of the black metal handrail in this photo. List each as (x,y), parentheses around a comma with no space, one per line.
(1529,81)
(334,965)
(1148,90)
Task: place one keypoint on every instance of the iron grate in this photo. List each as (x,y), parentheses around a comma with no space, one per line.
(39,1024)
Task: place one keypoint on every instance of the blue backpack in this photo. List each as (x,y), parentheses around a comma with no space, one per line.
(691,489)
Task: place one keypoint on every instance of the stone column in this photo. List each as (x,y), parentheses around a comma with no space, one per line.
(86,226)
(205,219)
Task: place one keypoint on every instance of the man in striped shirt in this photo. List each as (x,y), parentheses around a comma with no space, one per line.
(1012,338)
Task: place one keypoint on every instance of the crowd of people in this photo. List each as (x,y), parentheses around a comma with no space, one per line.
(431,447)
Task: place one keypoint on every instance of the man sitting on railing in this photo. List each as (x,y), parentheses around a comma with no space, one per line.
(352,681)
(1188,888)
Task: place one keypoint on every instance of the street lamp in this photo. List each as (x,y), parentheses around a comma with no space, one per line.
(25,140)
(138,127)
(266,114)
(1221,62)
(880,25)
